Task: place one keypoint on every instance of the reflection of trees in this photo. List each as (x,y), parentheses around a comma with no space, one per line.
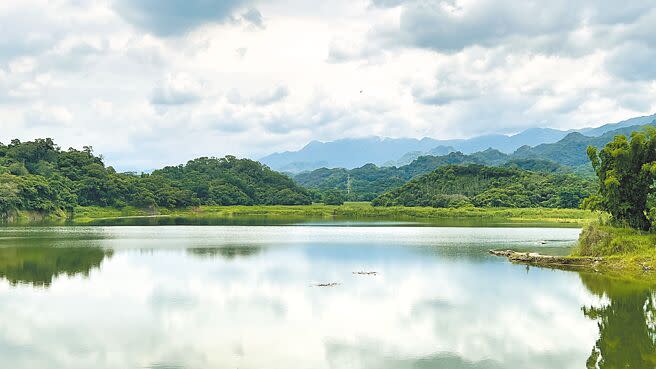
(627,323)
(39,265)
(200,220)
(226,252)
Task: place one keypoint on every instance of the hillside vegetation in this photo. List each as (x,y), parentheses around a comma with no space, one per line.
(481,186)
(370,181)
(39,176)
(355,152)
(350,211)
(367,182)
(623,242)
(571,150)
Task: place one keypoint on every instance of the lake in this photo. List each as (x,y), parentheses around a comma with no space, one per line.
(291,297)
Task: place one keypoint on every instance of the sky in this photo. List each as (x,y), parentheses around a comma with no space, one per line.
(150,83)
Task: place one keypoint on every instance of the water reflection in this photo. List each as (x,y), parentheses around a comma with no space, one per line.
(627,323)
(245,297)
(227,252)
(38,266)
(335,221)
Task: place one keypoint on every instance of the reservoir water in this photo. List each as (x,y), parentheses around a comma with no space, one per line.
(312,296)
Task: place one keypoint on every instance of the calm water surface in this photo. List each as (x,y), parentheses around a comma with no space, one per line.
(247,297)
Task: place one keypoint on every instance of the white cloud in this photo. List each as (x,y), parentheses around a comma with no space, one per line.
(249,78)
(22,65)
(174,17)
(254,18)
(555,27)
(177,89)
(271,96)
(633,61)
(47,116)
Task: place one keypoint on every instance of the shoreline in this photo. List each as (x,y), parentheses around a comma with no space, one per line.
(297,214)
(347,211)
(534,258)
(537,259)
(626,267)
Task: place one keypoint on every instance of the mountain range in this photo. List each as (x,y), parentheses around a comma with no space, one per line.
(354,152)
(567,155)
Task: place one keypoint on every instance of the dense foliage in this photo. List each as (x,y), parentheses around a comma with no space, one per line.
(232,181)
(568,155)
(39,176)
(38,266)
(571,150)
(370,181)
(537,165)
(478,185)
(625,322)
(626,170)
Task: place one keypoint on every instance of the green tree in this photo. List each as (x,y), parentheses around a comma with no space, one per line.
(18,169)
(625,322)
(38,176)
(9,199)
(626,170)
(333,197)
(483,186)
(40,263)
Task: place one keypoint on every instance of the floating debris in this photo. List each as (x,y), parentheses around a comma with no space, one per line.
(333,284)
(365,273)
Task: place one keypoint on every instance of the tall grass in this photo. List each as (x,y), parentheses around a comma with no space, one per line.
(603,240)
(352,210)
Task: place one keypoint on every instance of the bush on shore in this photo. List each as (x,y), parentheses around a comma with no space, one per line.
(597,239)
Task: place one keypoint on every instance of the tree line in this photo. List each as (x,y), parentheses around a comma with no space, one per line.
(484,186)
(371,181)
(39,176)
(626,170)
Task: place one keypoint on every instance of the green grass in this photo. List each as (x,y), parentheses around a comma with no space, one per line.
(352,210)
(624,250)
(602,240)
(83,214)
(26,217)
(621,253)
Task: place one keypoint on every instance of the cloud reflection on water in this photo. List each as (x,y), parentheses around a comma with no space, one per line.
(428,306)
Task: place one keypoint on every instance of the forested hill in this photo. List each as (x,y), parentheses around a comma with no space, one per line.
(39,176)
(369,181)
(354,152)
(565,156)
(232,181)
(478,185)
(571,150)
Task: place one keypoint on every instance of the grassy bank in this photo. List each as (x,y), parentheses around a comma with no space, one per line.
(622,249)
(356,210)
(32,217)
(623,253)
(85,214)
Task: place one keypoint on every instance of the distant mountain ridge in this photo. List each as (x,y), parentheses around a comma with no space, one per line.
(346,153)
(567,155)
(571,150)
(355,152)
(637,121)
